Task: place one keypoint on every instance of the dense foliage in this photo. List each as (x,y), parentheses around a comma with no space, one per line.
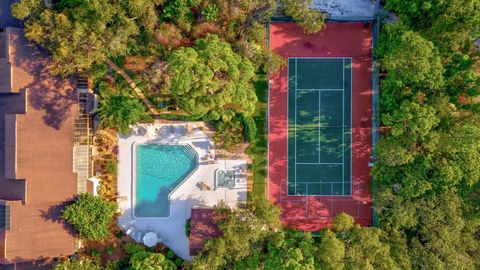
(211,81)
(91,216)
(77,265)
(428,169)
(119,110)
(252,238)
(194,57)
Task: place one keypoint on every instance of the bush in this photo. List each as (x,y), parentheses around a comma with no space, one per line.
(187,228)
(95,253)
(90,215)
(109,250)
(170,254)
(111,166)
(119,234)
(249,128)
(178,262)
(131,248)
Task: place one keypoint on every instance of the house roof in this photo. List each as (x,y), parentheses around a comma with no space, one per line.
(202,227)
(36,163)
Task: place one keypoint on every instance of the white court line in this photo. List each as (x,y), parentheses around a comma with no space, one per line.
(351,129)
(320,163)
(343,128)
(319,89)
(343,125)
(295,128)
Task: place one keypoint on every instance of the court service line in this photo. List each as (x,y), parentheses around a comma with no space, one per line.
(318,89)
(320,163)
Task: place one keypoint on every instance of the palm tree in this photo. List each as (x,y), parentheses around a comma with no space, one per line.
(119,110)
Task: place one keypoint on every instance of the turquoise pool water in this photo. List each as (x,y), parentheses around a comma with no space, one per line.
(160,169)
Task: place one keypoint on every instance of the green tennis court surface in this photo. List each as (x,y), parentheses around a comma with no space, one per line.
(319,126)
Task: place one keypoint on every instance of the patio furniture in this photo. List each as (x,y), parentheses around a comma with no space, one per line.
(137,236)
(204,186)
(121,198)
(130,230)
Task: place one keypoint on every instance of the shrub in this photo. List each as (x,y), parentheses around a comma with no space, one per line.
(170,254)
(95,253)
(249,128)
(187,227)
(119,234)
(90,215)
(111,166)
(178,262)
(109,250)
(131,248)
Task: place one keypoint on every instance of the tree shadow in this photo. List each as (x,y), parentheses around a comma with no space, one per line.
(32,70)
(54,215)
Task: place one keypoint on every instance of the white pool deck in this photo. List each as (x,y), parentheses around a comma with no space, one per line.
(188,195)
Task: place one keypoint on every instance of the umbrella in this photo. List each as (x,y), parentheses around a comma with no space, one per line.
(141,131)
(150,239)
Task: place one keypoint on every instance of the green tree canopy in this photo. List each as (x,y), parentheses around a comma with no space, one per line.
(312,20)
(243,230)
(119,110)
(330,252)
(290,250)
(91,216)
(211,81)
(79,264)
(145,260)
(412,63)
(79,34)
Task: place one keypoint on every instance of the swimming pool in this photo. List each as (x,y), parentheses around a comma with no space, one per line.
(160,169)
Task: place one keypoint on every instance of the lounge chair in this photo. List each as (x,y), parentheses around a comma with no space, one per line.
(204,186)
(130,230)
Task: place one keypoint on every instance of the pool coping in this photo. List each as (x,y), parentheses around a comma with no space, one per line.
(134,176)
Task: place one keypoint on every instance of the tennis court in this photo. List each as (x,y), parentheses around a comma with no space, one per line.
(319,126)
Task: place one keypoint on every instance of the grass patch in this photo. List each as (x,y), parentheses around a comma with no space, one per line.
(257,150)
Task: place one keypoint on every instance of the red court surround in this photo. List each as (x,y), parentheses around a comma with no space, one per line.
(311,213)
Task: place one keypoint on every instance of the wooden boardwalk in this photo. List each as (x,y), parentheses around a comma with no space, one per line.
(134,86)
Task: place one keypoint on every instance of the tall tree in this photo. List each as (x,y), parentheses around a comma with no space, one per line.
(91,216)
(79,34)
(211,81)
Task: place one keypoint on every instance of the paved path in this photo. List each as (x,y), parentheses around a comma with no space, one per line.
(133,85)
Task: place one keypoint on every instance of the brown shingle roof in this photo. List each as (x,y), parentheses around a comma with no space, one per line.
(202,227)
(44,153)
